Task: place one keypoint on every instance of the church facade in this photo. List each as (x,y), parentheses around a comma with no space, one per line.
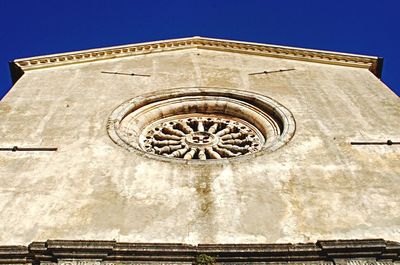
(199,150)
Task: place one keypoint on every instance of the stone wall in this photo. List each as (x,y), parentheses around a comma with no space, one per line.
(317,186)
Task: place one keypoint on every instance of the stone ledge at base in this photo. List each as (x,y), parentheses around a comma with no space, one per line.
(80,252)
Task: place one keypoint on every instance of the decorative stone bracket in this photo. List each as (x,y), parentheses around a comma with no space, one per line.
(337,252)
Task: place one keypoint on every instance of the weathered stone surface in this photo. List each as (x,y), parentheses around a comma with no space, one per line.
(318,186)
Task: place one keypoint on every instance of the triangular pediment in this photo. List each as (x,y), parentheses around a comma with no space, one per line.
(19,66)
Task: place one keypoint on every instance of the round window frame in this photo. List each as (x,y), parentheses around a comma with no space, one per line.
(268,106)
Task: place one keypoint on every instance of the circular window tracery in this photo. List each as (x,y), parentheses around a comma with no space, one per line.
(203,137)
(201,124)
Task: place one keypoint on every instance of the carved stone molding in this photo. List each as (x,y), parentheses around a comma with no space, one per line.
(370,62)
(356,261)
(340,252)
(78,262)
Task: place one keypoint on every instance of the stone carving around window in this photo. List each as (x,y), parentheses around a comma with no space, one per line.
(201,124)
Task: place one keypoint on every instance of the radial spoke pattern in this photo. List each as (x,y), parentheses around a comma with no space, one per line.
(200,138)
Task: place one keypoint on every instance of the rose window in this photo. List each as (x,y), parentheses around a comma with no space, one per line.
(201,124)
(201,137)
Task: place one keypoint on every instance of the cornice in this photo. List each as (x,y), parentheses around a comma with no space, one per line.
(332,252)
(21,65)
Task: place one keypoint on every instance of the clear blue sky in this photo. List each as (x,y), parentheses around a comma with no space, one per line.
(30,28)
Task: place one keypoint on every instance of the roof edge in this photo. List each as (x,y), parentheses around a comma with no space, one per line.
(19,66)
